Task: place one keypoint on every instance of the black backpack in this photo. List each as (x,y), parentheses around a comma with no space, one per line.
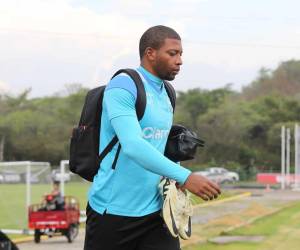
(84,146)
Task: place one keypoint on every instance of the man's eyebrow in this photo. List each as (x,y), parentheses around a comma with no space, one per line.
(176,50)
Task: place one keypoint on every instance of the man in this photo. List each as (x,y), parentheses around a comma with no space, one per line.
(57,196)
(54,200)
(123,211)
(55,189)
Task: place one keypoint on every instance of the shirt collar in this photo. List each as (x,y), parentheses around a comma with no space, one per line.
(150,77)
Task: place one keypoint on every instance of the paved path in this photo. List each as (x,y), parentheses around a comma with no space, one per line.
(55,243)
(203,215)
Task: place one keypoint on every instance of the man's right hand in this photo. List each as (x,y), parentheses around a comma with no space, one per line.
(202,187)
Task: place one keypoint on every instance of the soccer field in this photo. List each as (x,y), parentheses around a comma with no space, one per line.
(13,214)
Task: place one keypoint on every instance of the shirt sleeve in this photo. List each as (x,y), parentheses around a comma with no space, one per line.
(120,105)
(123,81)
(119,102)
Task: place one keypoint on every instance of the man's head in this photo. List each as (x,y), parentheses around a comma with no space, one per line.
(160,52)
(56,185)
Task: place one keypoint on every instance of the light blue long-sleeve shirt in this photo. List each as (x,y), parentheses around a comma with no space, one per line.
(131,189)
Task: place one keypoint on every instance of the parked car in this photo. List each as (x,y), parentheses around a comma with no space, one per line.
(220,175)
(10,177)
(57,176)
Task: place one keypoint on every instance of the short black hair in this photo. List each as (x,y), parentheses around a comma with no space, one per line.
(155,36)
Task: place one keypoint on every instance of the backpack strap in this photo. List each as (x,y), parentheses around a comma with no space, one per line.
(108,148)
(171,93)
(140,106)
(140,103)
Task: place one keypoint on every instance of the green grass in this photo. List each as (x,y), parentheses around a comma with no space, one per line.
(238,246)
(272,224)
(13,213)
(225,194)
(282,231)
(79,190)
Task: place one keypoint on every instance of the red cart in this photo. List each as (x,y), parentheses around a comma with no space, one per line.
(46,219)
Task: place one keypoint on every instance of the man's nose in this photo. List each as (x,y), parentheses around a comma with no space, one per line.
(179,60)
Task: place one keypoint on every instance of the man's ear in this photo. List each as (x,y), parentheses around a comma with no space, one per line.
(150,53)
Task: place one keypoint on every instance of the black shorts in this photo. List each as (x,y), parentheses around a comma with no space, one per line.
(114,232)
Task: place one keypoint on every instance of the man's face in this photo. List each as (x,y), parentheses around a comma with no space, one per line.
(167,59)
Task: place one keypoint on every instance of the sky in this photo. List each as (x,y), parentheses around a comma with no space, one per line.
(48,44)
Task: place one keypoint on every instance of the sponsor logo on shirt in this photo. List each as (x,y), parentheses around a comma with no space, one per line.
(155,133)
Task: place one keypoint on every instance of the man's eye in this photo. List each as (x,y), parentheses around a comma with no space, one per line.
(172,53)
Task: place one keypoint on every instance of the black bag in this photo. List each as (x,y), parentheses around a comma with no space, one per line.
(84,146)
(6,243)
(182,144)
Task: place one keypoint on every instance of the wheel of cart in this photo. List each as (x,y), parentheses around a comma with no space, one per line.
(52,221)
(37,236)
(72,232)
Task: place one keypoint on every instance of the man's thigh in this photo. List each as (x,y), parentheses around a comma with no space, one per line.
(158,238)
(102,232)
(113,232)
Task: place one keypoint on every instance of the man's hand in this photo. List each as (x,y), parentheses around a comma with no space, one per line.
(202,187)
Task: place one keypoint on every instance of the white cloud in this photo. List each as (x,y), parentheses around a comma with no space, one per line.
(136,4)
(53,34)
(189,1)
(60,16)
(47,43)
(4,87)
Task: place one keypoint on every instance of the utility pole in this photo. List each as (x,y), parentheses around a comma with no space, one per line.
(2,148)
(283,157)
(297,156)
(288,154)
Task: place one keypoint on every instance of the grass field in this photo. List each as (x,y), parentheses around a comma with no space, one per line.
(282,232)
(13,214)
